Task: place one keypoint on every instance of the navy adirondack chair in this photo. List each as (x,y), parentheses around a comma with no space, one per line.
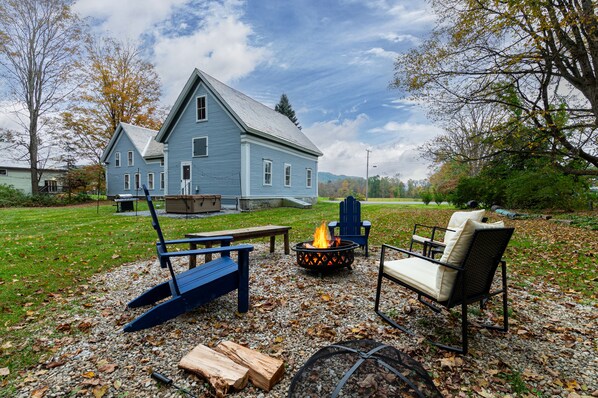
(350,224)
(195,286)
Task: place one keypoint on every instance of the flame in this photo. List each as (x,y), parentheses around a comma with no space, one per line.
(321,238)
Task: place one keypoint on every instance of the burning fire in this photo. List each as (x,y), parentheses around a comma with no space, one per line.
(322,238)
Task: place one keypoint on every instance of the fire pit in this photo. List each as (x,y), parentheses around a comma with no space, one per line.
(323,253)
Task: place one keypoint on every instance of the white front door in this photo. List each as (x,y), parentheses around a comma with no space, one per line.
(185,178)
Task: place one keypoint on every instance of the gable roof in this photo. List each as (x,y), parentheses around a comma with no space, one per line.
(15,157)
(253,116)
(142,139)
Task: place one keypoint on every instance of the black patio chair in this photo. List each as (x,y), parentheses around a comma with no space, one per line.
(433,238)
(195,286)
(462,276)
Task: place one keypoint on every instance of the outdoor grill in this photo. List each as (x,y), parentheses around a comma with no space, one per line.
(339,255)
(124,202)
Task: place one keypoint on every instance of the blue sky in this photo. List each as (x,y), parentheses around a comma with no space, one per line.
(333,59)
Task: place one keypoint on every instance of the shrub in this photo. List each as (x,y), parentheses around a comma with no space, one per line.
(545,189)
(426,197)
(9,196)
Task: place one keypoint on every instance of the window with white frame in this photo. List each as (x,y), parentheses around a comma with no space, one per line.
(200,147)
(117,159)
(162,162)
(267,172)
(308,177)
(150,180)
(201,108)
(137,181)
(127,182)
(287,175)
(162,180)
(3,172)
(130,158)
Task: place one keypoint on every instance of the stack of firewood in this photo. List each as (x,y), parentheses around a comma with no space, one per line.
(230,366)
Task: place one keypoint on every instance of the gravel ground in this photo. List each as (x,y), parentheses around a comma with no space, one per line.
(550,350)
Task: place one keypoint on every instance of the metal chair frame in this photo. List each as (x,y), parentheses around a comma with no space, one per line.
(470,286)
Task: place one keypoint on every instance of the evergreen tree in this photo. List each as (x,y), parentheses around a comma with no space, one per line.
(284,107)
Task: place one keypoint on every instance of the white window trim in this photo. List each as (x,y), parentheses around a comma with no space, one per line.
(117,160)
(197,119)
(193,147)
(130,159)
(127,181)
(265,162)
(309,176)
(287,165)
(150,181)
(162,180)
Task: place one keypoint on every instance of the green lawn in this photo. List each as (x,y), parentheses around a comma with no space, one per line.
(51,252)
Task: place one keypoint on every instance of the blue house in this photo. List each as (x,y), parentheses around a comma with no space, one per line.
(132,158)
(219,141)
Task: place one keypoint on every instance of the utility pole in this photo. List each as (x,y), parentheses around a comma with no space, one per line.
(367,173)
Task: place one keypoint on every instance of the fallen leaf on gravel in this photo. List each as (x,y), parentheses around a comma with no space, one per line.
(54,364)
(4,371)
(326,297)
(89,375)
(117,384)
(108,368)
(39,393)
(99,392)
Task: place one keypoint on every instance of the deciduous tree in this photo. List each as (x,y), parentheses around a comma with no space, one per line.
(118,86)
(39,51)
(538,59)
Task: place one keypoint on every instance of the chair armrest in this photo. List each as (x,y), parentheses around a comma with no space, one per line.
(223,238)
(366,224)
(333,224)
(223,249)
(418,255)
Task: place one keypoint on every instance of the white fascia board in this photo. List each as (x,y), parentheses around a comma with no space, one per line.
(273,145)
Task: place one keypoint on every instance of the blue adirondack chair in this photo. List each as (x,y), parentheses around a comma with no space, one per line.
(195,286)
(350,224)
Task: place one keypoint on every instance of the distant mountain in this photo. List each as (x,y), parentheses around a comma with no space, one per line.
(324,177)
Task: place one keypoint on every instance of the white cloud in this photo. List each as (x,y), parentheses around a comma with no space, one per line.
(409,132)
(380,52)
(126,19)
(398,38)
(220,46)
(395,153)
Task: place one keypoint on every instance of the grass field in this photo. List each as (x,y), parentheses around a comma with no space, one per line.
(51,252)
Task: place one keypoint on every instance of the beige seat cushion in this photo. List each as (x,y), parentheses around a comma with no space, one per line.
(458,219)
(420,274)
(455,252)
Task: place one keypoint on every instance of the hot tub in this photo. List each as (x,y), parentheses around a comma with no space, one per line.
(192,204)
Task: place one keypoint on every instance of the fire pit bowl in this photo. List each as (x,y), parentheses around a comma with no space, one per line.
(340,255)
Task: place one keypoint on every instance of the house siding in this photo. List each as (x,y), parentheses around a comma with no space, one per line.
(21,178)
(115,175)
(218,173)
(298,162)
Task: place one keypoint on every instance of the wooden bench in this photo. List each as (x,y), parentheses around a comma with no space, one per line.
(241,234)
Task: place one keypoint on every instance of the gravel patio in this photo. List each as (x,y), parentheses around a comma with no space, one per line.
(550,350)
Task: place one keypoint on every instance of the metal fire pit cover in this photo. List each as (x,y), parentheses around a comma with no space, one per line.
(361,368)
(330,258)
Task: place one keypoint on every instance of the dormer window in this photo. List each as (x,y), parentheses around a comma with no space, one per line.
(202,108)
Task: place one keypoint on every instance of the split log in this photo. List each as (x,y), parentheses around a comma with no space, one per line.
(264,371)
(220,371)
